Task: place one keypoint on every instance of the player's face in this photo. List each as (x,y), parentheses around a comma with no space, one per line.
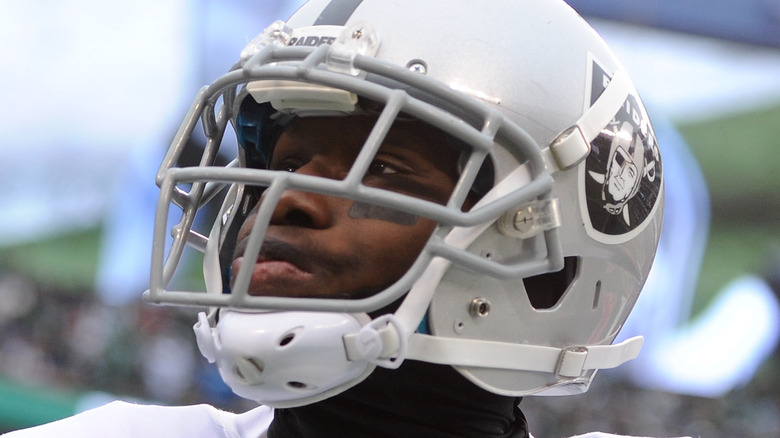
(324,246)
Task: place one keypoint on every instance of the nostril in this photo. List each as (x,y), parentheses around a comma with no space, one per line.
(298,218)
(302,209)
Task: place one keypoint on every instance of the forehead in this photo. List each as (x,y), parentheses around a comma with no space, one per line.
(349,133)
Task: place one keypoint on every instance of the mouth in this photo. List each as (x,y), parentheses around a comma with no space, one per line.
(280,269)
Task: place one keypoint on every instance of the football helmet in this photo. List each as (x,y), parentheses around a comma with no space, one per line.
(523,292)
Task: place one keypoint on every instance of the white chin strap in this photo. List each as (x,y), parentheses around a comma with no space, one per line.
(569,362)
(385,345)
(286,359)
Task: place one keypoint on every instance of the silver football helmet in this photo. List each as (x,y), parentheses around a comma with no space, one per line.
(523,292)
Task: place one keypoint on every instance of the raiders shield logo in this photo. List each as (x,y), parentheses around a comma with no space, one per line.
(622,174)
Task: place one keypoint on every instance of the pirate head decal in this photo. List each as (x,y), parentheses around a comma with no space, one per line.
(623,171)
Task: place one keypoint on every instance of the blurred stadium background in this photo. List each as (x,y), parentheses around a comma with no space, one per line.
(93,91)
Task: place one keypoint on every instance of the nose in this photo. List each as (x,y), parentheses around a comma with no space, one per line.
(303,209)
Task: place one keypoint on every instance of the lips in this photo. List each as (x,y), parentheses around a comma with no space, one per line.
(281,269)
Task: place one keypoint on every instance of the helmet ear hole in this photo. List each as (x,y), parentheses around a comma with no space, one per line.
(546,290)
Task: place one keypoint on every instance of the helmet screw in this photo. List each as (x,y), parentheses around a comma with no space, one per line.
(417,66)
(479,307)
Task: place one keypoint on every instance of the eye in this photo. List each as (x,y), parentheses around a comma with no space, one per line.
(381,168)
(287,165)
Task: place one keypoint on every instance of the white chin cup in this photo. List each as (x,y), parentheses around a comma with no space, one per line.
(283,359)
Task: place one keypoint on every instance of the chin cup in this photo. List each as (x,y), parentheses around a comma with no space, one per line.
(282,359)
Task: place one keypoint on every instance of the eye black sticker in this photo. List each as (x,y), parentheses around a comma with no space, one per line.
(623,171)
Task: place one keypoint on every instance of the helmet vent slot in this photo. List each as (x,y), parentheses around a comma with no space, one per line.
(597,295)
(297,385)
(287,339)
(546,290)
(249,370)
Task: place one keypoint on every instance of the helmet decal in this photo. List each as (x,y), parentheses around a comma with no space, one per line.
(622,177)
(337,12)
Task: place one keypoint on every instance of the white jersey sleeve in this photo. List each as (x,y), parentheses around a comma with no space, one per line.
(126,420)
(607,435)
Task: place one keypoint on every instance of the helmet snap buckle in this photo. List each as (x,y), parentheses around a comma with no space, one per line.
(382,342)
(571,362)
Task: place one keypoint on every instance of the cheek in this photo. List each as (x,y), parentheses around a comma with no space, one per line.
(396,247)
(246,226)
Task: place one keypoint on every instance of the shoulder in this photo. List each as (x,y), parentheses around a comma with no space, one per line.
(126,420)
